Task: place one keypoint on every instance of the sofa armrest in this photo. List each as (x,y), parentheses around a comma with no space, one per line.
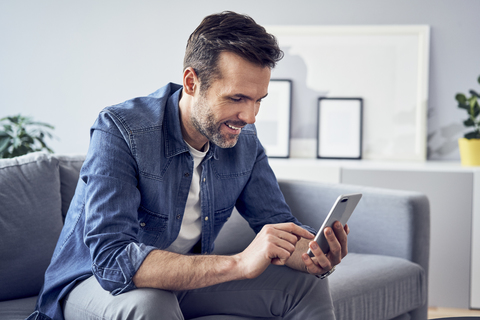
(385,222)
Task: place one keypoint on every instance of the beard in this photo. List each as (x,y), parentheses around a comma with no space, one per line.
(203,120)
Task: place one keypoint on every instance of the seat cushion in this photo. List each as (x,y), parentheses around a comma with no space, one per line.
(30,222)
(18,309)
(374,287)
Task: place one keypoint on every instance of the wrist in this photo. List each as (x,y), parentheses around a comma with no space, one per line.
(238,267)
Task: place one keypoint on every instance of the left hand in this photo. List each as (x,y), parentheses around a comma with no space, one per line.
(337,240)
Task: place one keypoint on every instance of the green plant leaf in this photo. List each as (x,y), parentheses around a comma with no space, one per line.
(4,134)
(472,100)
(463,106)
(474,93)
(460,97)
(4,143)
(476,110)
(472,135)
(7,128)
(469,123)
(23,135)
(28,140)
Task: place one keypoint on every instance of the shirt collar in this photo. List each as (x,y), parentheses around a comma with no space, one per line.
(174,143)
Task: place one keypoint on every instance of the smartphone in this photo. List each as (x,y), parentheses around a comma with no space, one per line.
(341,211)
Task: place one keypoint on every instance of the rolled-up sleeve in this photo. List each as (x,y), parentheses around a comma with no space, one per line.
(112,200)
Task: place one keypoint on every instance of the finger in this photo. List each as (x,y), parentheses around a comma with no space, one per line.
(296,230)
(283,239)
(310,266)
(280,244)
(321,260)
(335,253)
(341,235)
(279,255)
(287,236)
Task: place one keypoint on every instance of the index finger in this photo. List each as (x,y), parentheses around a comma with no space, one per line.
(295,229)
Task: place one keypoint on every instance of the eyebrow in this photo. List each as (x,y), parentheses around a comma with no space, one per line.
(240,95)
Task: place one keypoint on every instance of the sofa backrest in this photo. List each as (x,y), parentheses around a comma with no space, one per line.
(69,166)
(35,191)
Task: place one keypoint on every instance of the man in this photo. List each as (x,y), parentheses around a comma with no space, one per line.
(162,175)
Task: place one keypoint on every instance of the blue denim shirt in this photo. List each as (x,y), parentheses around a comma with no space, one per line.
(132,191)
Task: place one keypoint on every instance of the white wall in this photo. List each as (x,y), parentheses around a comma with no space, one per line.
(63,61)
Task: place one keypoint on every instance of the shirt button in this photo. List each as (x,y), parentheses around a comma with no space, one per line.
(186,174)
(203,179)
(142,224)
(178,217)
(206,218)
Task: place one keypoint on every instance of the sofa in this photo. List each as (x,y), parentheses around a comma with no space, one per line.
(384,276)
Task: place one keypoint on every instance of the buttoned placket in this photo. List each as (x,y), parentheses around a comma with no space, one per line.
(206,205)
(182,196)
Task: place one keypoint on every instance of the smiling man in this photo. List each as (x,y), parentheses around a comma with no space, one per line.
(161,177)
(231,102)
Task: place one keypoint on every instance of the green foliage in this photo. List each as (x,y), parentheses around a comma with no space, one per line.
(472,107)
(21,135)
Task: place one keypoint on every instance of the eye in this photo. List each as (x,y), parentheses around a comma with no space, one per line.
(236,99)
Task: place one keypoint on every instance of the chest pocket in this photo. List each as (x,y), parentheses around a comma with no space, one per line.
(152,226)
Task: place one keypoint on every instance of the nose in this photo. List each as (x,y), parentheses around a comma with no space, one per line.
(249,112)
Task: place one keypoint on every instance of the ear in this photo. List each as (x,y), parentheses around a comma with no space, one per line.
(190,81)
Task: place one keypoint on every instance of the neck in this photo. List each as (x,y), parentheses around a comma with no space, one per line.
(194,138)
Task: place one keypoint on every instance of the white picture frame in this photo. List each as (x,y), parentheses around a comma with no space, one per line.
(339,133)
(273,119)
(385,65)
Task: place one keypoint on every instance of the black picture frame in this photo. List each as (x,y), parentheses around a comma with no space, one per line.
(339,128)
(273,121)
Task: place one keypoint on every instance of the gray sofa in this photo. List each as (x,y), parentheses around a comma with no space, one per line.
(384,275)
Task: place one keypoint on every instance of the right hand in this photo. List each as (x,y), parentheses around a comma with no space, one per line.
(274,244)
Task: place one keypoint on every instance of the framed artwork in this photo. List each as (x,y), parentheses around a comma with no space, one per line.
(273,119)
(385,65)
(339,128)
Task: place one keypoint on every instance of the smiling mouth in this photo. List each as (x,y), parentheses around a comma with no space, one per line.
(236,128)
(232,127)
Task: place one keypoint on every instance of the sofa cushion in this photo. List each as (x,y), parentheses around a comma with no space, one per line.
(30,222)
(69,171)
(370,287)
(18,309)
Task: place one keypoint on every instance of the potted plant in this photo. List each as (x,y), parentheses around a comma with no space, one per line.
(470,144)
(21,135)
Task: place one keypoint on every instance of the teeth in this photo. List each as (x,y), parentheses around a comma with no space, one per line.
(234,128)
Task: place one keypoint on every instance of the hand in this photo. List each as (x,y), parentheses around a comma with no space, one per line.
(337,240)
(274,244)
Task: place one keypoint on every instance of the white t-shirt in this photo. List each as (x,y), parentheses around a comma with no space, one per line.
(191,229)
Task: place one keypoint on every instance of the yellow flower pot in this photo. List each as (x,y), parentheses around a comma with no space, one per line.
(469,151)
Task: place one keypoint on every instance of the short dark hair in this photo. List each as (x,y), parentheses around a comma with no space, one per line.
(231,32)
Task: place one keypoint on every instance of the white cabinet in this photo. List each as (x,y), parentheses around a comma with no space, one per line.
(454,195)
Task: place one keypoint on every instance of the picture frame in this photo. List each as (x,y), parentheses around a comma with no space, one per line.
(386,65)
(340,128)
(273,119)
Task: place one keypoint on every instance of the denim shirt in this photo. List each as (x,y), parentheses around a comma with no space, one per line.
(132,191)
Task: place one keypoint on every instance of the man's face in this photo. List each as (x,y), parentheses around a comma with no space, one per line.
(232,101)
